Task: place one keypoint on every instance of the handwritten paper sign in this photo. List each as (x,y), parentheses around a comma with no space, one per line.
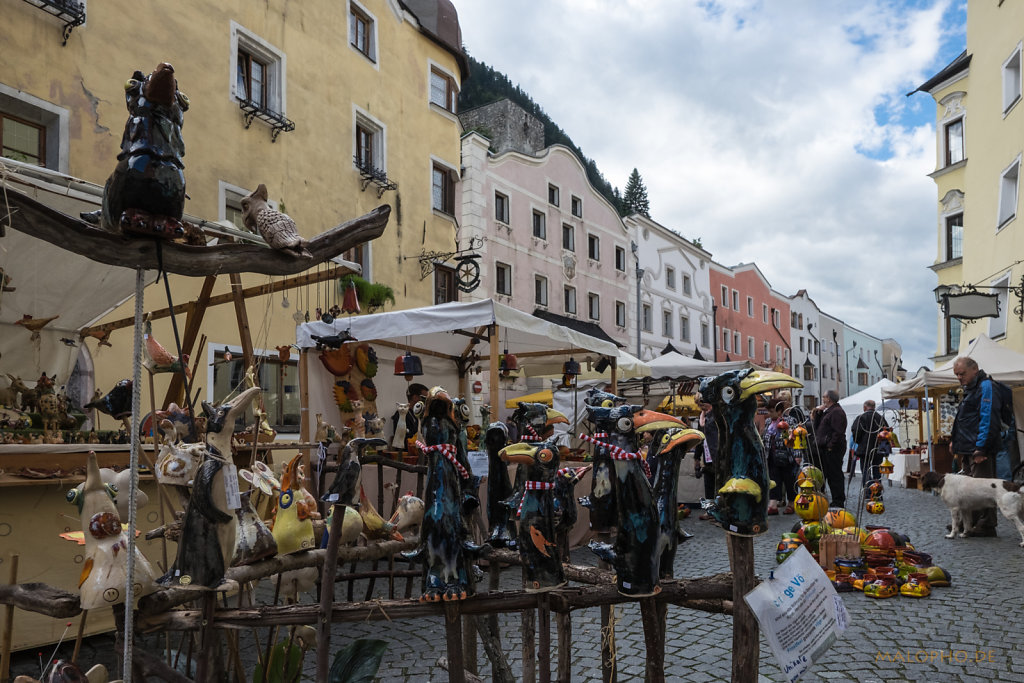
(799,612)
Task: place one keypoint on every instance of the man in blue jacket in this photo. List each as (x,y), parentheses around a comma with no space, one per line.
(976,438)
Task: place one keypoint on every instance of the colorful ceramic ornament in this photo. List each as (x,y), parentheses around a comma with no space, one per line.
(786,547)
(293,520)
(612,428)
(674,444)
(158,359)
(261,477)
(207,543)
(445,546)
(177,462)
(741,470)
(105,570)
(533,422)
(408,512)
(838,518)
(375,527)
(812,474)
(810,507)
(337,361)
(542,562)
(366,360)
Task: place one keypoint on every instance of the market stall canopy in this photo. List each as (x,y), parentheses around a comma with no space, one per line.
(544,397)
(678,366)
(998,362)
(447,330)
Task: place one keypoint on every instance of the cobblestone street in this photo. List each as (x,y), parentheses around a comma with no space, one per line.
(967,632)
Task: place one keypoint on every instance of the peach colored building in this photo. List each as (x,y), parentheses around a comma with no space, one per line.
(552,244)
(751,320)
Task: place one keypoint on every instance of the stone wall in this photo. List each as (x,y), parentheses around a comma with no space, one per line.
(507,125)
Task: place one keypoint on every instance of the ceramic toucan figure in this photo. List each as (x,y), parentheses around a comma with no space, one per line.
(538,548)
(471,485)
(293,521)
(741,470)
(634,553)
(500,522)
(445,547)
(673,445)
(207,543)
(533,422)
(105,569)
(612,428)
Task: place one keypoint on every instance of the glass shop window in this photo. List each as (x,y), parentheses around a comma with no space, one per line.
(280,383)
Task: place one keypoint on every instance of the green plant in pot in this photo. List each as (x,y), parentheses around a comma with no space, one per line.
(372,295)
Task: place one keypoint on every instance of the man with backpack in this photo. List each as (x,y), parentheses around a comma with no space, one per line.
(977,438)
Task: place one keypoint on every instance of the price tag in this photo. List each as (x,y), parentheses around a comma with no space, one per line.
(234,500)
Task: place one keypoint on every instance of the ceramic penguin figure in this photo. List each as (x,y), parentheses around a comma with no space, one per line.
(104,572)
(634,552)
(445,548)
(500,522)
(741,469)
(673,445)
(207,543)
(612,426)
(542,561)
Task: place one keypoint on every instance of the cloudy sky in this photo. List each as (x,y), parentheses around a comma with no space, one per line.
(776,131)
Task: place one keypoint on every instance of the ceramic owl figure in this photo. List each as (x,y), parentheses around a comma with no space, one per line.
(277,228)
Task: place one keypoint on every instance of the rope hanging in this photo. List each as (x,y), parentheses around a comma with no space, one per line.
(133,466)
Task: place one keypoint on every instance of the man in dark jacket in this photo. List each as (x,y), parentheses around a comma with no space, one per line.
(705,453)
(976,438)
(866,446)
(830,438)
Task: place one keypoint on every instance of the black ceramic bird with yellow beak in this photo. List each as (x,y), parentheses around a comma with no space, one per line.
(634,554)
(741,469)
(536,514)
(673,445)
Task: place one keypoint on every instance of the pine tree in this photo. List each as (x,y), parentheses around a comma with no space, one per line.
(634,199)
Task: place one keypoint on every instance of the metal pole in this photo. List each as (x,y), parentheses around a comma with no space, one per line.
(639,322)
(928,425)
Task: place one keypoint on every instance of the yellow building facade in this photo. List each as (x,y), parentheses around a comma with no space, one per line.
(338,107)
(979,146)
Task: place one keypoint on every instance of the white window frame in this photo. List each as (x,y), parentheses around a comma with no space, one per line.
(764,313)
(725,297)
(750,307)
(594,306)
(453,178)
(1009,194)
(736,300)
(575,203)
(572,234)
(500,267)
(687,285)
(554,193)
(274,59)
(620,313)
(593,247)
(947,152)
(1012,80)
(705,335)
(373,53)
(997,326)
(620,251)
(767,352)
(52,118)
(503,216)
(726,339)
(569,299)
(379,150)
(648,318)
(666,323)
(684,328)
(670,278)
(750,347)
(540,290)
(451,89)
(543,224)
(736,345)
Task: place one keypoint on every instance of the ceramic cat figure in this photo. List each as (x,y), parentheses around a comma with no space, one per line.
(398,441)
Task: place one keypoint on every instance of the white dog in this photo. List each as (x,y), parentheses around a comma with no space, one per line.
(963,494)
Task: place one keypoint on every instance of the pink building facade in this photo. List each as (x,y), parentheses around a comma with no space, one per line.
(551,243)
(751,320)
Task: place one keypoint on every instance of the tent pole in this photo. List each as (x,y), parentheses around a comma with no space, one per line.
(492,381)
(615,376)
(928,426)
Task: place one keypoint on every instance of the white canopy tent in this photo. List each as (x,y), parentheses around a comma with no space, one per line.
(853,406)
(452,339)
(675,365)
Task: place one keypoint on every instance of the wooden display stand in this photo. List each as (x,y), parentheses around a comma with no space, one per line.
(832,546)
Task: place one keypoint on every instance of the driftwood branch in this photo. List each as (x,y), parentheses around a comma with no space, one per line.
(38,220)
(442,662)
(41,599)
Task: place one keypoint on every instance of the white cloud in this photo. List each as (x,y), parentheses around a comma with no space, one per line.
(778,132)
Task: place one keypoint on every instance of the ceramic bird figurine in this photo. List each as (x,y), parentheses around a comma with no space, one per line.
(146,192)
(445,545)
(615,425)
(564,502)
(375,527)
(408,513)
(346,481)
(542,563)
(33,325)
(634,553)
(277,228)
(101,336)
(533,422)
(673,445)
(177,462)
(741,470)
(157,358)
(207,543)
(293,521)
(253,540)
(500,519)
(333,341)
(117,403)
(118,484)
(180,420)
(104,571)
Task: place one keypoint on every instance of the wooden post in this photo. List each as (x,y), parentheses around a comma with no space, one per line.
(544,642)
(654,634)
(207,663)
(5,651)
(563,622)
(608,670)
(323,627)
(745,644)
(78,637)
(453,639)
(469,645)
(529,643)
(193,321)
(615,376)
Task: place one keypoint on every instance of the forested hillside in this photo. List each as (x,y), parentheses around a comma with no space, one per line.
(486,85)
